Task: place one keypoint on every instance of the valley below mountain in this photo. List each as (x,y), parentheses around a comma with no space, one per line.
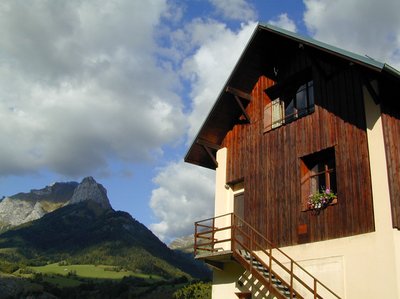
(57,228)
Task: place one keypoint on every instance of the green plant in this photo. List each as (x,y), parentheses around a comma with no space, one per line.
(198,290)
(320,200)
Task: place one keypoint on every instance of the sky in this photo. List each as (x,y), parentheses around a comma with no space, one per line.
(118,89)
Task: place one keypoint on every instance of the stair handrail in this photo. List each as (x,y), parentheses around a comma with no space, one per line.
(210,247)
(272,258)
(254,256)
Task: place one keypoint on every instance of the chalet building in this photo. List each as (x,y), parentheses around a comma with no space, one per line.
(305,141)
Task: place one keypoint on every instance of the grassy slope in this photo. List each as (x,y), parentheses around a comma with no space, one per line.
(90,271)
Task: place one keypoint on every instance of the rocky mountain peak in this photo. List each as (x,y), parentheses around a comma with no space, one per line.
(89,189)
(185,244)
(57,192)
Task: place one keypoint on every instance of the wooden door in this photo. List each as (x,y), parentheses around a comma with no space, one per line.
(238,205)
(238,209)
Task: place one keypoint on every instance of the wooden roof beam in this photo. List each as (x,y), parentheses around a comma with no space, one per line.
(207,147)
(208,144)
(240,94)
(210,154)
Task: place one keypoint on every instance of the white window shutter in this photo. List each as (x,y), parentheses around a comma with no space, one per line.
(268,117)
(278,108)
(273,114)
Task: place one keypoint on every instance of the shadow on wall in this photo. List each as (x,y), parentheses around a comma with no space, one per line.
(248,283)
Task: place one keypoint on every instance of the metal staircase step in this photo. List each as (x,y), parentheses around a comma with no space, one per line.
(283,289)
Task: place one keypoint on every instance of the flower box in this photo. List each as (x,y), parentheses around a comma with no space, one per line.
(321,200)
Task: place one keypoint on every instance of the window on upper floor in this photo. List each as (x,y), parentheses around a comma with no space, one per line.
(318,179)
(292,99)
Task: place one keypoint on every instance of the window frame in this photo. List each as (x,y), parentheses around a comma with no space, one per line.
(325,157)
(308,88)
(287,92)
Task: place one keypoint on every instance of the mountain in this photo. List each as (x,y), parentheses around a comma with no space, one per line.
(184,244)
(86,230)
(57,192)
(24,207)
(89,189)
(87,233)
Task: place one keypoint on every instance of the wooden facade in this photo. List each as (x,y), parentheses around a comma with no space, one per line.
(269,163)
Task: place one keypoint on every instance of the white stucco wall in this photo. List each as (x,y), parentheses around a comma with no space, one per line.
(223,199)
(223,195)
(396,237)
(225,282)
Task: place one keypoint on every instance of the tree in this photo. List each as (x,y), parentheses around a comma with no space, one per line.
(198,290)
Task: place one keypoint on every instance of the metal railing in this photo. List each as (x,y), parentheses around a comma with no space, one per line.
(231,233)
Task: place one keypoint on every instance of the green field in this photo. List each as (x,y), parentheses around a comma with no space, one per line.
(90,271)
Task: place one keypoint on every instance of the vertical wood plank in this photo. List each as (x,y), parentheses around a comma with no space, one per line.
(270,162)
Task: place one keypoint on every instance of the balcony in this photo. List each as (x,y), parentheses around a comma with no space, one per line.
(228,238)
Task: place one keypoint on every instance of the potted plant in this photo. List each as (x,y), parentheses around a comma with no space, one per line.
(321,200)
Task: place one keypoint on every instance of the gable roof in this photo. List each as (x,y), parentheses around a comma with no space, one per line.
(351,56)
(267,43)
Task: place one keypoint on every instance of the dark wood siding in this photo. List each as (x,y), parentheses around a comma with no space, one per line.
(391,130)
(269,163)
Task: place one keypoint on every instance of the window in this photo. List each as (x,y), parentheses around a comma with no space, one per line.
(291,100)
(317,173)
(300,102)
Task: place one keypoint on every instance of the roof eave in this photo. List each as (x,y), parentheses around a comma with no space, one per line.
(391,71)
(193,143)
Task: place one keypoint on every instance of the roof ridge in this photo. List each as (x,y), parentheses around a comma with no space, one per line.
(363,59)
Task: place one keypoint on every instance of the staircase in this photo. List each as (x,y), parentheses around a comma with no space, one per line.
(280,287)
(283,278)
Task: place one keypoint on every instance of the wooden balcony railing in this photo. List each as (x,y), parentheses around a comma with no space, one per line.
(231,233)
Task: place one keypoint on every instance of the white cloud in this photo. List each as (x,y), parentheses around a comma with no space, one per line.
(283,21)
(239,10)
(186,192)
(80,84)
(209,67)
(363,26)
(185,195)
